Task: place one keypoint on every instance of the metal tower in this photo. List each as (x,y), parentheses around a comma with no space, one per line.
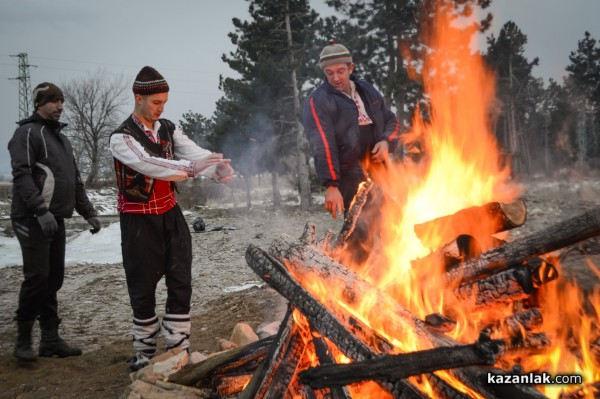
(24,85)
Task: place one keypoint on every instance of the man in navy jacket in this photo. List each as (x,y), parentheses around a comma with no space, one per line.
(347,124)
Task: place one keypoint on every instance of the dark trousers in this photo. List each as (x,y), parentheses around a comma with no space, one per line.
(154,246)
(43,269)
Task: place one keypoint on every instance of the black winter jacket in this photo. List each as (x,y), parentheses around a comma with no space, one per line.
(330,120)
(44,171)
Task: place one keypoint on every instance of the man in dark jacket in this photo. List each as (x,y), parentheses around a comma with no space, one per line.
(47,188)
(347,124)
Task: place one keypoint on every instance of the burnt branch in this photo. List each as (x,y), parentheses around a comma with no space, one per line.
(360,199)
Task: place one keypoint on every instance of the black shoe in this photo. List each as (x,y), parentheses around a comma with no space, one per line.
(58,348)
(52,344)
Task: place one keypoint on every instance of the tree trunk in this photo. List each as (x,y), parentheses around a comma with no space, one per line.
(276,193)
(248,181)
(92,177)
(303,181)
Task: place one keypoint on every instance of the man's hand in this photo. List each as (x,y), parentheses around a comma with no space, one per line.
(48,223)
(334,203)
(206,162)
(380,152)
(224,171)
(95,223)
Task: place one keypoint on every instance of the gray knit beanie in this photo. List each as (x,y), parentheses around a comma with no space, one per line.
(334,53)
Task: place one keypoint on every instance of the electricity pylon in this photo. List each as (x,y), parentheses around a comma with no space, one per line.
(24,85)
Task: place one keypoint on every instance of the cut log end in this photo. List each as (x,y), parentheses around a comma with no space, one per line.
(515,211)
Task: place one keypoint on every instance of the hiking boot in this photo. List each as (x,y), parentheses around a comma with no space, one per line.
(52,344)
(23,351)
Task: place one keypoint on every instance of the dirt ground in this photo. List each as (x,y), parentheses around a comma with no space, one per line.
(96,314)
(94,305)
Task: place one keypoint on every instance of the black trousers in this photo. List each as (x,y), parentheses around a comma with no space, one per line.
(43,269)
(154,246)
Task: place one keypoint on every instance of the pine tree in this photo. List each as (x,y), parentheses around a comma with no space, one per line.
(583,83)
(559,129)
(515,89)
(261,106)
(198,128)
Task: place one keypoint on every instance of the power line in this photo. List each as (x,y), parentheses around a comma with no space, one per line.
(24,84)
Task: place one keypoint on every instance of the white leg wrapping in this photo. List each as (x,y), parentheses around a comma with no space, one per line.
(176,330)
(145,334)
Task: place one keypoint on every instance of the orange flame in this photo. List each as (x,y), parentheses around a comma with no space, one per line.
(462,167)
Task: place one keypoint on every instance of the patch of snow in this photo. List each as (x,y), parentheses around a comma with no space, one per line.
(243,286)
(103,247)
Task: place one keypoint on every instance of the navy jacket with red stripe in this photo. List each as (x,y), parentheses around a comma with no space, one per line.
(330,120)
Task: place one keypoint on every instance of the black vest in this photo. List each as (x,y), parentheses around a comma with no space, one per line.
(133,185)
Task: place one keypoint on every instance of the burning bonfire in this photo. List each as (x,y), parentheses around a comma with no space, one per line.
(444,306)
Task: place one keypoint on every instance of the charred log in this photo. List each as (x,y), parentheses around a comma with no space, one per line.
(440,323)
(360,199)
(201,373)
(518,324)
(532,344)
(560,235)
(508,285)
(274,378)
(325,322)
(229,385)
(325,357)
(444,390)
(468,221)
(402,365)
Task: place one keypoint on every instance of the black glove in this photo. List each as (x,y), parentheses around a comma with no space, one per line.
(95,223)
(48,223)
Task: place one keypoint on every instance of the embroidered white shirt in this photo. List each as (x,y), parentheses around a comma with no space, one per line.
(131,153)
(363,117)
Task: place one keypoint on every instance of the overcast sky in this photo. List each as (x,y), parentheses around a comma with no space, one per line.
(184,40)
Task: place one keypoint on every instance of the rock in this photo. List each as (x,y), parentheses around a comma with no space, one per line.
(225,345)
(172,364)
(243,334)
(197,357)
(267,329)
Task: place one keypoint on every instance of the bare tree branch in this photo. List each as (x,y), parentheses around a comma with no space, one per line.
(94,108)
